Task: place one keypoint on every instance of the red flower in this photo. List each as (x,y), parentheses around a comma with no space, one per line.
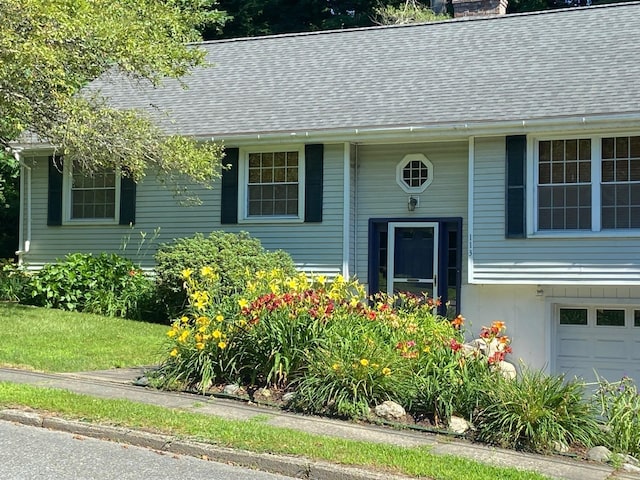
(455,345)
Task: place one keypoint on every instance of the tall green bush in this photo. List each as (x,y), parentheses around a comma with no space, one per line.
(105,284)
(230,256)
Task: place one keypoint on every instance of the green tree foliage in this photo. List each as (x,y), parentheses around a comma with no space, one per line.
(51,49)
(411,12)
(9,204)
(266,17)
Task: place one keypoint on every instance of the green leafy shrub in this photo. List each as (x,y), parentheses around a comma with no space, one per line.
(230,256)
(535,412)
(619,406)
(106,284)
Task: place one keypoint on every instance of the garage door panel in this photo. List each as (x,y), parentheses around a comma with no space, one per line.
(574,347)
(582,348)
(606,349)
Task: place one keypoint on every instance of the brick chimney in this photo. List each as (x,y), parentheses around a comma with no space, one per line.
(478,8)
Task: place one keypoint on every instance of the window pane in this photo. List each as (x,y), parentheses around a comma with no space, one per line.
(544,197)
(636,318)
(607,148)
(544,173)
(584,149)
(634,147)
(557,151)
(254,160)
(622,170)
(544,151)
(544,219)
(571,150)
(571,172)
(278,175)
(607,171)
(608,217)
(280,159)
(634,170)
(610,318)
(573,316)
(622,147)
(292,159)
(267,159)
(584,172)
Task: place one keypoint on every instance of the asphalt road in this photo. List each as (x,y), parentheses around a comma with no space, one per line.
(36,453)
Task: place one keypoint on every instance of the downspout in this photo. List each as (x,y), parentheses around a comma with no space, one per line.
(25,171)
(346,211)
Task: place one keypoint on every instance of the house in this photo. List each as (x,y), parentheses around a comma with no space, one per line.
(493,162)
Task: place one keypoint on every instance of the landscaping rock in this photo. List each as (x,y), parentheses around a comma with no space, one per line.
(631,460)
(478,345)
(232,389)
(560,447)
(262,395)
(458,425)
(141,381)
(508,370)
(599,454)
(390,411)
(287,397)
(627,467)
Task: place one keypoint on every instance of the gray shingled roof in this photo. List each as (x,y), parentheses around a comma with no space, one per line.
(545,65)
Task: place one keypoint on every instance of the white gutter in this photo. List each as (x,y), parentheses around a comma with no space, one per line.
(346,209)
(440,131)
(25,171)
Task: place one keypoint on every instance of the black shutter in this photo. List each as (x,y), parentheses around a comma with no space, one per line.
(515,202)
(314,162)
(127,201)
(229,200)
(54,209)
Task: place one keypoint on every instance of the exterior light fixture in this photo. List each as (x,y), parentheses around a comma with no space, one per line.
(413,203)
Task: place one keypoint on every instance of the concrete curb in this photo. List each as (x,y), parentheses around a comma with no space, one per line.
(295,467)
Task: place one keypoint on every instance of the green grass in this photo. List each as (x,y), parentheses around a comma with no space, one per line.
(253,436)
(58,341)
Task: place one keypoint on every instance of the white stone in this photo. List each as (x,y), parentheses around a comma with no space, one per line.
(631,460)
(458,424)
(287,397)
(560,447)
(627,467)
(390,411)
(508,370)
(599,454)
(231,389)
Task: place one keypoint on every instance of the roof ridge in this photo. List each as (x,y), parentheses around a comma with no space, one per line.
(418,25)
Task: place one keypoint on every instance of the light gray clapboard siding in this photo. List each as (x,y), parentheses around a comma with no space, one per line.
(380,196)
(315,247)
(496,259)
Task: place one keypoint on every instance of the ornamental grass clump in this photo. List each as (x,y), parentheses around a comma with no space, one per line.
(535,412)
(618,404)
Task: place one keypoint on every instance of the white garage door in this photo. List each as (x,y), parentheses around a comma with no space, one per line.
(601,339)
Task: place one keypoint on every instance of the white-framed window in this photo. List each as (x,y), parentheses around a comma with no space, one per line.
(414,173)
(599,316)
(587,183)
(91,198)
(271,184)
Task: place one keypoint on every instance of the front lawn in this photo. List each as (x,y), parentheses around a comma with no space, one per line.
(58,341)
